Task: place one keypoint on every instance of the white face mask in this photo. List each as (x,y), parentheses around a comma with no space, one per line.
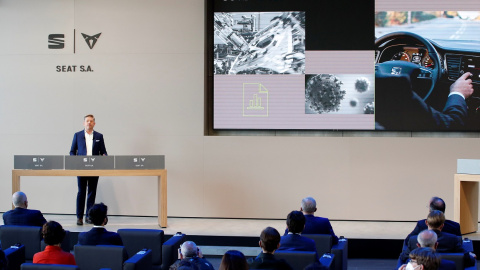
(410,266)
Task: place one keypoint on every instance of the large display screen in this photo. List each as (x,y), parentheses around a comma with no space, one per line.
(280,64)
(315,65)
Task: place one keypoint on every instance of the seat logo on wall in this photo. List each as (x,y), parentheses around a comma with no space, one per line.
(57,41)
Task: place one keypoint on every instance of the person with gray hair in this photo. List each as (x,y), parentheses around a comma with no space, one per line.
(189,252)
(21,215)
(428,239)
(313,224)
(447,243)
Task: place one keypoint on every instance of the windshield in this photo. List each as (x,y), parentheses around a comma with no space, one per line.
(436,25)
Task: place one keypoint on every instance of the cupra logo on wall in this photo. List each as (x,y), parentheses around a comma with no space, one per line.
(57,41)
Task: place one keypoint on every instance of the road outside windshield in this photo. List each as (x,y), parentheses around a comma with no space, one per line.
(450,25)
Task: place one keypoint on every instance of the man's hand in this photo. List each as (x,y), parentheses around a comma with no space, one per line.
(463,85)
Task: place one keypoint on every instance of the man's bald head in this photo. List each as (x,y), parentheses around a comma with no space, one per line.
(427,238)
(19,199)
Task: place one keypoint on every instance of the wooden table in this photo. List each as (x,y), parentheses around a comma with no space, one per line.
(466,201)
(161,174)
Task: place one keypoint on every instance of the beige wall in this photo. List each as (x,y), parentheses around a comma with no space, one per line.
(147,93)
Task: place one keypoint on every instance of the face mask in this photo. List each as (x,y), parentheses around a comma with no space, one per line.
(410,266)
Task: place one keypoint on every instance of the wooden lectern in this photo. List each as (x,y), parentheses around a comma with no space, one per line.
(465,196)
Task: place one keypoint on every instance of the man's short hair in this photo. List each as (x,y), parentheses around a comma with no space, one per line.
(435,219)
(98,213)
(437,203)
(427,238)
(89,115)
(426,257)
(18,199)
(53,233)
(189,249)
(295,222)
(309,205)
(269,239)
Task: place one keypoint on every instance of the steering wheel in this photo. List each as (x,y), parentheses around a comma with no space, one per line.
(416,72)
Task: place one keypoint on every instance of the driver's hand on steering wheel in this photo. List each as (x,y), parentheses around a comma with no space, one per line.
(463,85)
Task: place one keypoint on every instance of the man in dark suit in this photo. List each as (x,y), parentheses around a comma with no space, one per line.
(21,215)
(428,239)
(98,235)
(313,224)
(293,241)
(399,107)
(447,243)
(450,226)
(87,143)
(269,242)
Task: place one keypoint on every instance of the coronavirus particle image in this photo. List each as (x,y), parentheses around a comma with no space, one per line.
(323,93)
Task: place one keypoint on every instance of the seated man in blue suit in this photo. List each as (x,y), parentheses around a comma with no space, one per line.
(449,226)
(447,243)
(293,241)
(98,235)
(21,215)
(313,224)
(428,239)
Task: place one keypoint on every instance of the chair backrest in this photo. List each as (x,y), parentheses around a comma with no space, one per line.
(140,261)
(29,236)
(135,240)
(65,243)
(35,266)
(101,256)
(15,257)
(457,258)
(323,242)
(170,250)
(297,259)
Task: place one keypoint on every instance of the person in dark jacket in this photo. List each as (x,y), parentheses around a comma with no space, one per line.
(21,215)
(98,235)
(269,242)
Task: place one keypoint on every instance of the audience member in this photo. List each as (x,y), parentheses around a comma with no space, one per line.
(189,252)
(53,235)
(450,226)
(233,260)
(98,235)
(21,215)
(269,242)
(446,242)
(422,259)
(293,241)
(313,224)
(428,238)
